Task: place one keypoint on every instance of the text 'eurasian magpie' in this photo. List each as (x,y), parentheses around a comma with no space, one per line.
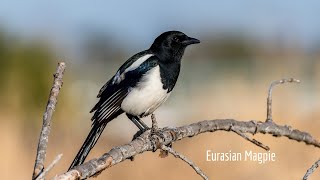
(139,87)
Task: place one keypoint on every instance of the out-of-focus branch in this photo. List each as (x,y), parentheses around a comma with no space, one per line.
(269,99)
(166,136)
(311,170)
(45,131)
(51,165)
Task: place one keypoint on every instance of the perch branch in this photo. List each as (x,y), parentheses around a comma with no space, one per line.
(45,131)
(167,136)
(311,170)
(269,99)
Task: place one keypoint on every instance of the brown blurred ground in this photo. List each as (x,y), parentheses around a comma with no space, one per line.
(212,85)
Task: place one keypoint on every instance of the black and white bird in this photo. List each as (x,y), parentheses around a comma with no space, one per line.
(139,87)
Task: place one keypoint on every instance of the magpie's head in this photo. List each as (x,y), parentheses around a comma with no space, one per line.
(171,44)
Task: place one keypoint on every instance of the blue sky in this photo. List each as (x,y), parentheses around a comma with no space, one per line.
(140,21)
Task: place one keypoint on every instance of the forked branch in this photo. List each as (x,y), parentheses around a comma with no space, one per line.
(269,99)
(163,138)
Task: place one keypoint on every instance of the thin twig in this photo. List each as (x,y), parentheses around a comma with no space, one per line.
(54,162)
(185,159)
(269,99)
(258,143)
(45,131)
(311,169)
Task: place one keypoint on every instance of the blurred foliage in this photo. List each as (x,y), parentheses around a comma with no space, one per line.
(101,48)
(3,62)
(33,70)
(26,65)
(229,46)
(25,69)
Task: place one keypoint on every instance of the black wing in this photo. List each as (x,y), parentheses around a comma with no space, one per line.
(117,88)
(110,102)
(105,110)
(119,76)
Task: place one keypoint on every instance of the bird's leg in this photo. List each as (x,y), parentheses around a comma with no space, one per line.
(137,121)
(141,125)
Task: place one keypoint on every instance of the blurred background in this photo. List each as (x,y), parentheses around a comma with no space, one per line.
(244,47)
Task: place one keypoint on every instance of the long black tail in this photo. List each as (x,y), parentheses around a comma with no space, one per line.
(93,136)
(88,144)
(105,111)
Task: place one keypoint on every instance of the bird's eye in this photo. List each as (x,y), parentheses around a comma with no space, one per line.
(175,39)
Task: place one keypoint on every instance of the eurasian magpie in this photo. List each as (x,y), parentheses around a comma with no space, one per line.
(139,87)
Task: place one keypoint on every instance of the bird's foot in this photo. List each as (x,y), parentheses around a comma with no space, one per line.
(156,137)
(155,134)
(154,127)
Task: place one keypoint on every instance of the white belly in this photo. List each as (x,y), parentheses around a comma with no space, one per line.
(147,96)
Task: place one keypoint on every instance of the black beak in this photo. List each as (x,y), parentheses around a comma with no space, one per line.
(190,40)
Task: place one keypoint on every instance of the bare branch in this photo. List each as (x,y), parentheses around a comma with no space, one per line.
(54,162)
(45,131)
(311,170)
(185,159)
(269,99)
(162,138)
(166,136)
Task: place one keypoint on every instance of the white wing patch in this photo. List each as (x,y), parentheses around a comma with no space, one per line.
(119,77)
(138,62)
